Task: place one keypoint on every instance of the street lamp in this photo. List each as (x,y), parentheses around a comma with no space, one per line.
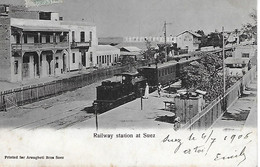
(95,104)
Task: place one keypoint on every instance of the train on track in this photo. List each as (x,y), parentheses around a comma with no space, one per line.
(112,94)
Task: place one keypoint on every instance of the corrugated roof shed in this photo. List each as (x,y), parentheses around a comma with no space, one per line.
(105,48)
(131,49)
(232,60)
(140,45)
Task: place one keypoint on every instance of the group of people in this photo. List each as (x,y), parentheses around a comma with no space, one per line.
(146,92)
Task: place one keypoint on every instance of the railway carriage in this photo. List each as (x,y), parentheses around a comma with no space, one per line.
(163,73)
(112,94)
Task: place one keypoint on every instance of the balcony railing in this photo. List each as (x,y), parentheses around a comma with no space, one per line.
(39,46)
(79,44)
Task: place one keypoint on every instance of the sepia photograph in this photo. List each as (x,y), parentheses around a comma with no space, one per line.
(128,83)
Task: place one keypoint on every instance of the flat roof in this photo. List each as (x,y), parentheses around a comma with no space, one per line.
(40,28)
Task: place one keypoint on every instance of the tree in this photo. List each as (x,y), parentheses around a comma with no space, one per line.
(204,38)
(249,30)
(148,54)
(215,39)
(206,74)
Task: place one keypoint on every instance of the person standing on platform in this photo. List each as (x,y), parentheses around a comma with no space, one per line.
(146,92)
(159,88)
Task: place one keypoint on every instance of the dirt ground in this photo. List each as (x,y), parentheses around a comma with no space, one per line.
(57,112)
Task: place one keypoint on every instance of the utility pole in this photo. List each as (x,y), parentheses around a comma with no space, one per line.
(96,108)
(223,54)
(165,39)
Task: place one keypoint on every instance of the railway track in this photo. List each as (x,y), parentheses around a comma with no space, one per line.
(58,121)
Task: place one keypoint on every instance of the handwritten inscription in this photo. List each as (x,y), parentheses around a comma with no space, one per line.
(203,144)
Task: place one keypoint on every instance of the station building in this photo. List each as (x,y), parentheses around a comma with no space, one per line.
(188,40)
(37,44)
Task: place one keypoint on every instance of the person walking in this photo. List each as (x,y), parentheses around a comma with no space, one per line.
(159,88)
(146,92)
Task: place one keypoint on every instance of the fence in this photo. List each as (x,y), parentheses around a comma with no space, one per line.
(217,107)
(30,94)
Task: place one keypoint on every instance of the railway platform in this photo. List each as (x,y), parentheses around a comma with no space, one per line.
(130,116)
(243,113)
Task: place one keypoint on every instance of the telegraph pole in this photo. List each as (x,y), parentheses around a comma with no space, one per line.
(223,54)
(165,39)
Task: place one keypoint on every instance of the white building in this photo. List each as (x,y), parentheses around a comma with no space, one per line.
(82,39)
(36,44)
(159,39)
(244,51)
(106,55)
(39,48)
(188,40)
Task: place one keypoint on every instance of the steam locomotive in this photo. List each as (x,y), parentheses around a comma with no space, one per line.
(113,94)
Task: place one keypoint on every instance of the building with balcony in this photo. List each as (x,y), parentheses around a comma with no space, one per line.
(82,40)
(32,49)
(188,40)
(43,44)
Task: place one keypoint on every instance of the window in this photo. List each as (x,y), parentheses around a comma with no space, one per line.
(25,38)
(82,36)
(40,38)
(48,39)
(73,57)
(91,57)
(73,36)
(16,67)
(35,39)
(102,59)
(90,35)
(18,38)
(90,38)
(54,37)
(245,55)
(57,63)
(97,59)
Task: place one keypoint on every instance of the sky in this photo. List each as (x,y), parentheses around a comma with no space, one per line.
(146,17)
